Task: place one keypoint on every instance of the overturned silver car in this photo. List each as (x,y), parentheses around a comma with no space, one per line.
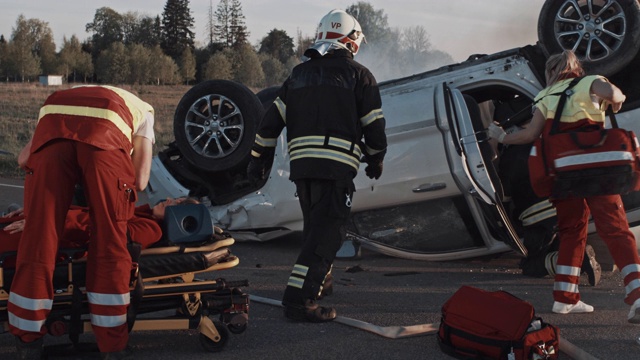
(440,196)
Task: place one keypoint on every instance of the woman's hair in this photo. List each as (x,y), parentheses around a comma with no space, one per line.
(562,66)
(190,200)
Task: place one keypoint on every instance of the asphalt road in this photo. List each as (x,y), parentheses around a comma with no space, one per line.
(382,291)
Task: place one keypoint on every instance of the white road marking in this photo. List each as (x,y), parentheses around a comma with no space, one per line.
(14,186)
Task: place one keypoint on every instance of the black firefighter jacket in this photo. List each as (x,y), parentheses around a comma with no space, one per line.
(332,109)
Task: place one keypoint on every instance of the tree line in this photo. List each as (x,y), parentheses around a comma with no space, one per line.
(130,48)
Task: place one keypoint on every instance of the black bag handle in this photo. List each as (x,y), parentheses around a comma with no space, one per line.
(555,126)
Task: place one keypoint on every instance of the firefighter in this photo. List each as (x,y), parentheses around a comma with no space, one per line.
(328,104)
(100,137)
(591,96)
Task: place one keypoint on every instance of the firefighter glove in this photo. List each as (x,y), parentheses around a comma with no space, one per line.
(496,132)
(374,170)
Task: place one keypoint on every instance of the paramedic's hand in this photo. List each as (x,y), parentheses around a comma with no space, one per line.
(496,132)
(256,170)
(14,227)
(18,212)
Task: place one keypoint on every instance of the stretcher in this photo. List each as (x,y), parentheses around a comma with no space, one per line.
(164,279)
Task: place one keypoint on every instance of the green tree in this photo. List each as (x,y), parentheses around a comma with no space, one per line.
(139,64)
(22,53)
(374,22)
(277,44)
(187,66)
(239,32)
(230,28)
(107,28)
(275,72)
(247,67)
(217,67)
(302,43)
(164,70)
(112,65)
(177,23)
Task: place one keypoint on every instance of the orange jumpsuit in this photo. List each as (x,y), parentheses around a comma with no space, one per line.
(573,213)
(142,228)
(84,135)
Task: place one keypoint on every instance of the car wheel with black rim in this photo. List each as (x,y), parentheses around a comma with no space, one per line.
(215,125)
(604,34)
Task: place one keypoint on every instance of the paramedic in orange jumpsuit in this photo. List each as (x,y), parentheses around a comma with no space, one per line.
(586,106)
(100,137)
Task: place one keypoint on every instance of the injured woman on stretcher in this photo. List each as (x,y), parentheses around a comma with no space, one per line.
(144,228)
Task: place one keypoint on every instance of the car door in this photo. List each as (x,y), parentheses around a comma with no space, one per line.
(471,160)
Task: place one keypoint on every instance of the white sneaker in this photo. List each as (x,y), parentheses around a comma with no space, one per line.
(634,313)
(577,308)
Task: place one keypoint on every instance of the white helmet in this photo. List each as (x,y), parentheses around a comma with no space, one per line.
(338,29)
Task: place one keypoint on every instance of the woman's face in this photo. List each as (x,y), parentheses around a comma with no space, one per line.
(158,209)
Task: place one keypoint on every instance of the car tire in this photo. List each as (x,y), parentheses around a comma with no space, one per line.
(268,95)
(215,125)
(602,40)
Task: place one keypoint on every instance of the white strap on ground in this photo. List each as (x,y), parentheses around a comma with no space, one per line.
(391,332)
(396,332)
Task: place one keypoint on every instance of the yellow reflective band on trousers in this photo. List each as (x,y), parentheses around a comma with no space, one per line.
(566,287)
(300,270)
(30,304)
(537,212)
(371,117)
(108,321)
(90,113)
(108,299)
(24,324)
(295,282)
(567,270)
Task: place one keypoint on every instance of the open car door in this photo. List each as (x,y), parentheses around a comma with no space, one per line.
(480,178)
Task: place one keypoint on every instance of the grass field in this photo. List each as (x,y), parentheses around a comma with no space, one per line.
(20,103)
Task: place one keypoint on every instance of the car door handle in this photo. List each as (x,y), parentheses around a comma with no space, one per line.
(429,187)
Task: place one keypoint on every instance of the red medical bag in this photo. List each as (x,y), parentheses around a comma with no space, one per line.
(584,162)
(479,324)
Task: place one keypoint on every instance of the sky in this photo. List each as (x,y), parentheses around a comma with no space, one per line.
(458,27)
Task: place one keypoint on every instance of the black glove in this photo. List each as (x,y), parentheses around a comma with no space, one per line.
(256,170)
(373,170)
(374,165)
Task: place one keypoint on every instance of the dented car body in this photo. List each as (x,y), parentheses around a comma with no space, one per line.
(440,196)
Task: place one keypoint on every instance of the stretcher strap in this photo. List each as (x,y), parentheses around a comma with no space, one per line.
(397,332)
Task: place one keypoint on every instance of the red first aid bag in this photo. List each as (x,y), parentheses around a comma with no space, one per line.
(479,324)
(584,162)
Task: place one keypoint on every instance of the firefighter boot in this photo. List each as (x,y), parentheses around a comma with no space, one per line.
(327,287)
(590,266)
(310,311)
(29,351)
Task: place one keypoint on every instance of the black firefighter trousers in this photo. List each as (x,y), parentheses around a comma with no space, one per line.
(326,205)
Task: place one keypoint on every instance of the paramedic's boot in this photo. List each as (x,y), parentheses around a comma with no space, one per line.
(590,266)
(310,311)
(29,351)
(577,308)
(634,313)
